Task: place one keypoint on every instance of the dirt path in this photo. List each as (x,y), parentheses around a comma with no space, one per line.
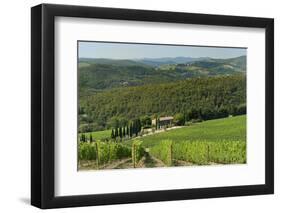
(159,131)
(157,162)
(117,164)
(182,163)
(151,162)
(147,161)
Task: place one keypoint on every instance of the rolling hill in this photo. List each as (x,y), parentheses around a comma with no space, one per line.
(207,97)
(103,74)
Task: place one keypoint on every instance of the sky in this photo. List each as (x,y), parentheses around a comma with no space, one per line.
(139,51)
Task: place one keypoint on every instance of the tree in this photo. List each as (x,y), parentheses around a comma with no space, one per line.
(139,125)
(120,133)
(222,112)
(179,119)
(241,109)
(134,128)
(113,122)
(104,108)
(157,123)
(112,134)
(116,132)
(82,138)
(91,138)
(145,121)
(127,131)
(124,132)
(123,121)
(131,130)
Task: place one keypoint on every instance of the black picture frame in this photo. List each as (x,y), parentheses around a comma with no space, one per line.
(43,102)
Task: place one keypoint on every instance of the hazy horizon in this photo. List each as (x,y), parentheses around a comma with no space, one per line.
(134,51)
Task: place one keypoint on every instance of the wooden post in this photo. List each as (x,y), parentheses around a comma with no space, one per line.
(109,160)
(171,154)
(134,155)
(208,153)
(97,155)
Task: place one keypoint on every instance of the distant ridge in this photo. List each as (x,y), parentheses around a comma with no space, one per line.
(96,74)
(155,62)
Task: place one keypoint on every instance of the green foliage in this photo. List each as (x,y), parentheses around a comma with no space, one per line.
(220,141)
(137,152)
(96,77)
(100,74)
(201,98)
(112,134)
(179,119)
(82,138)
(205,152)
(228,129)
(120,132)
(86,151)
(102,152)
(145,121)
(97,135)
(240,110)
(86,128)
(163,151)
(111,151)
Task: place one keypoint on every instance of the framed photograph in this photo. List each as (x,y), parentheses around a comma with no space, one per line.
(139,106)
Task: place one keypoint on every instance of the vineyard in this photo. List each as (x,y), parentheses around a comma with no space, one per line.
(221,141)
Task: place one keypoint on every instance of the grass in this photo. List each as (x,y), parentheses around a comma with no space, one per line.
(99,135)
(205,152)
(225,129)
(220,141)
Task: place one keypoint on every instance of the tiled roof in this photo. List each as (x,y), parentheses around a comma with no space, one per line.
(166,118)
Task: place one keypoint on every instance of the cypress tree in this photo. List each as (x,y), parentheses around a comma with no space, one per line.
(124,133)
(134,128)
(112,134)
(127,130)
(91,138)
(139,125)
(157,122)
(116,132)
(120,132)
(131,130)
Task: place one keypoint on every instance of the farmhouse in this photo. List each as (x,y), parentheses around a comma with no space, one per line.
(163,121)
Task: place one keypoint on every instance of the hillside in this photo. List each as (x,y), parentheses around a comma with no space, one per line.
(103,74)
(220,141)
(205,98)
(156,62)
(234,130)
(224,129)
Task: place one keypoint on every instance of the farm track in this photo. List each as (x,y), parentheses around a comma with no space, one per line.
(117,164)
(157,162)
(147,161)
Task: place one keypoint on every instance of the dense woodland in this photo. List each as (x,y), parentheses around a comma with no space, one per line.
(201,98)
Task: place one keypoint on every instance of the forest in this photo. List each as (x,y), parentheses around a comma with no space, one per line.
(196,98)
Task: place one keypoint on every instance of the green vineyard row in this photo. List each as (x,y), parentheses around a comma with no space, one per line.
(200,152)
